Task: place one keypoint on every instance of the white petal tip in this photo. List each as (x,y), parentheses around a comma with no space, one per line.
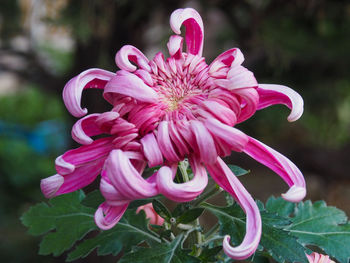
(63,167)
(49,186)
(295,194)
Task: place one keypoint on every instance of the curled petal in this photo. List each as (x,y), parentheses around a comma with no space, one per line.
(204,141)
(50,185)
(130,53)
(280,165)
(126,179)
(250,101)
(84,128)
(175,46)
(184,192)
(107,216)
(91,78)
(222,174)
(231,57)
(151,150)
(194,28)
(112,196)
(145,76)
(270,94)
(238,77)
(236,139)
(129,84)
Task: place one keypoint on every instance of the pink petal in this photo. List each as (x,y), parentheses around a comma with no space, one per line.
(126,179)
(270,94)
(165,144)
(175,46)
(228,181)
(91,78)
(107,216)
(129,84)
(236,139)
(281,165)
(238,77)
(112,196)
(84,128)
(145,76)
(184,192)
(204,141)
(221,112)
(75,158)
(151,150)
(130,53)
(231,57)
(81,177)
(194,28)
(319,258)
(50,185)
(250,99)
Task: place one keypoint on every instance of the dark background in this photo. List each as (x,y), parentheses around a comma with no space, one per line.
(43,43)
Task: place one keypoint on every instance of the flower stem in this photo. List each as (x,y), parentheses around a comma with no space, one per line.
(214,190)
(183,169)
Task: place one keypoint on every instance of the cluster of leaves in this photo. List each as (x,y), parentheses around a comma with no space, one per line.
(287,231)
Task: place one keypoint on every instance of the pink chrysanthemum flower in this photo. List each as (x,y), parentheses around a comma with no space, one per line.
(165,110)
(319,258)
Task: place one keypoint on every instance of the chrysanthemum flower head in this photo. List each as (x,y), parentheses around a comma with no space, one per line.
(163,111)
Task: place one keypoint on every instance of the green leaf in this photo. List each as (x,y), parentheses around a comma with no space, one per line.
(161,209)
(180,209)
(209,254)
(279,206)
(190,215)
(324,226)
(238,171)
(160,253)
(130,231)
(275,240)
(71,221)
(93,199)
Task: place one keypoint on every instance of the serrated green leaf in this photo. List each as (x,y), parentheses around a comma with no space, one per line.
(71,220)
(324,226)
(274,239)
(160,253)
(161,209)
(190,215)
(130,231)
(279,206)
(238,171)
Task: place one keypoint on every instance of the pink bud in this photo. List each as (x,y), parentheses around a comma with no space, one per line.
(154,218)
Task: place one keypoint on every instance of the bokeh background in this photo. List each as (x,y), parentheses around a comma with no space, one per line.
(44,43)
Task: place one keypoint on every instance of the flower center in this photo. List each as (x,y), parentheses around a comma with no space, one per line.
(181,83)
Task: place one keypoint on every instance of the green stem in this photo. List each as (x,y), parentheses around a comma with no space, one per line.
(214,190)
(183,169)
(199,238)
